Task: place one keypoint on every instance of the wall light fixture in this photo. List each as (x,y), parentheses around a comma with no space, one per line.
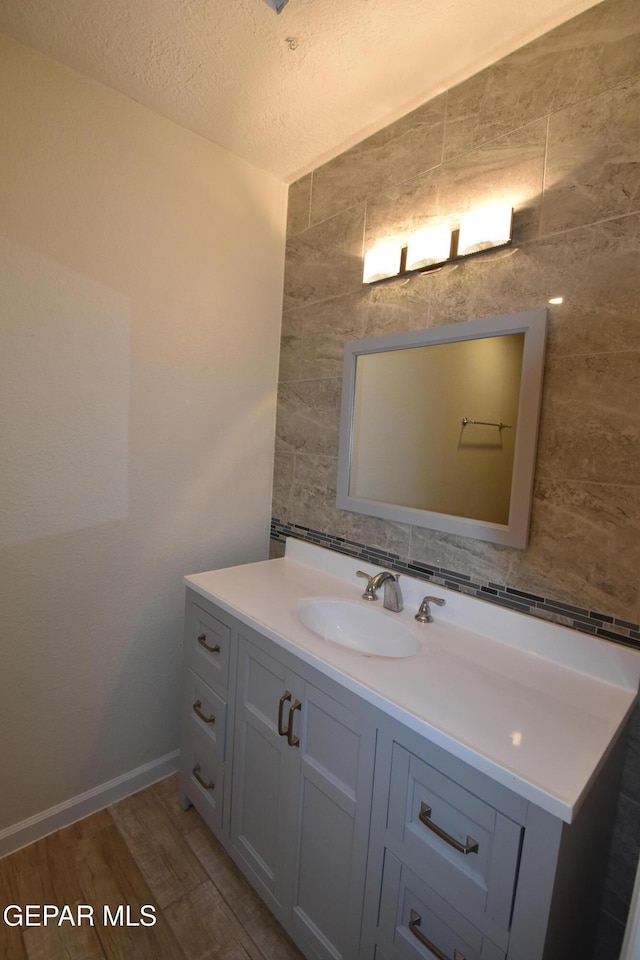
(382,261)
(431,246)
(428,247)
(484,229)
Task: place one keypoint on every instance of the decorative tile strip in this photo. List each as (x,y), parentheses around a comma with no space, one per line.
(577,618)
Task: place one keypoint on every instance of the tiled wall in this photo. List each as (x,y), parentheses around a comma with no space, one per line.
(554,127)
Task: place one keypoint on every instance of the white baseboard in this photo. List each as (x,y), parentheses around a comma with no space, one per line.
(41,824)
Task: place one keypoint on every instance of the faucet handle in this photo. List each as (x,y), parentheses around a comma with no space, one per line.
(424,613)
(370,592)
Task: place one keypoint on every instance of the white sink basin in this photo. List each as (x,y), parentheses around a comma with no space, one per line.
(359,627)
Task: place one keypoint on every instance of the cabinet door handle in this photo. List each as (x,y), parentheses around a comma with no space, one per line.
(414,926)
(203,783)
(282,730)
(471,846)
(198,712)
(291,739)
(202,640)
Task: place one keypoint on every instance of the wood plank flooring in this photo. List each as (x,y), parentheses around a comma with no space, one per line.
(143,850)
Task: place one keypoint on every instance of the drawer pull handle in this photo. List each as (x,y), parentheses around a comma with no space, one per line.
(198,712)
(414,925)
(282,730)
(471,846)
(202,640)
(291,739)
(203,783)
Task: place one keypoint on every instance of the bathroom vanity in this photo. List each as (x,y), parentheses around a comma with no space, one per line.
(453,803)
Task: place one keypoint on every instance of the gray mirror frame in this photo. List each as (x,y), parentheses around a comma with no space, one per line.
(533,323)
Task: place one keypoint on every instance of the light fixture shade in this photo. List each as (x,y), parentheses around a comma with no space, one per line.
(428,246)
(485,228)
(382,261)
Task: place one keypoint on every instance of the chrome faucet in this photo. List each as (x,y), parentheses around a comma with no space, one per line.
(392,599)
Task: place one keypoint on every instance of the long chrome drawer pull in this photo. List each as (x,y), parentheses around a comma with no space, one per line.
(198,712)
(203,783)
(202,640)
(471,846)
(291,739)
(414,925)
(282,730)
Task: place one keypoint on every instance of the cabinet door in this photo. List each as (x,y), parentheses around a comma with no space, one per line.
(334,786)
(301,802)
(263,799)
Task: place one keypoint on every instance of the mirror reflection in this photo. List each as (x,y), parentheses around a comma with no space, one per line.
(451,448)
(439,426)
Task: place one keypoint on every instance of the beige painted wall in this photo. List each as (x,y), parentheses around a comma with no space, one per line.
(410,447)
(140,295)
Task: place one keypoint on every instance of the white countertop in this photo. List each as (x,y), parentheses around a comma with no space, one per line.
(534,705)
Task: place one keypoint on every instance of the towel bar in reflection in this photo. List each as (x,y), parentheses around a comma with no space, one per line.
(487,423)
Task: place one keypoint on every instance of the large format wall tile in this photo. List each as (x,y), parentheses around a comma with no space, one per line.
(325,260)
(579,59)
(401,209)
(609,937)
(508,170)
(325,328)
(590,424)
(290,345)
(396,307)
(400,151)
(313,492)
(283,466)
(477,559)
(623,859)
(387,534)
(584,546)
(308,416)
(299,206)
(594,270)
(631,773)
(593,160)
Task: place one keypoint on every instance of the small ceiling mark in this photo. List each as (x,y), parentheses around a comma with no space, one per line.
(292,42)
(276,5)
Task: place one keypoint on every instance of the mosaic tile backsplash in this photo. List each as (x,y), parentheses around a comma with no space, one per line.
(587,621)
(554,128)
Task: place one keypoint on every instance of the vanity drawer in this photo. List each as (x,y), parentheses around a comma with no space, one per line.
(454,840)
(202,776)
(419,923)
(206,711)
(207,644)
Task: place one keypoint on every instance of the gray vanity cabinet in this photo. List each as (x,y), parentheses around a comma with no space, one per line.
(301,799)
(367,840)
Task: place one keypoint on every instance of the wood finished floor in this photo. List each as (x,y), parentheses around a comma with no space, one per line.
(143,850)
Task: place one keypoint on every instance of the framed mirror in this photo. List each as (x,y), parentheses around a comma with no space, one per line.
(439,426)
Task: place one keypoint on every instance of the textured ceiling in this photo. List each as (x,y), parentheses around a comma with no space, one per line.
(283,91)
